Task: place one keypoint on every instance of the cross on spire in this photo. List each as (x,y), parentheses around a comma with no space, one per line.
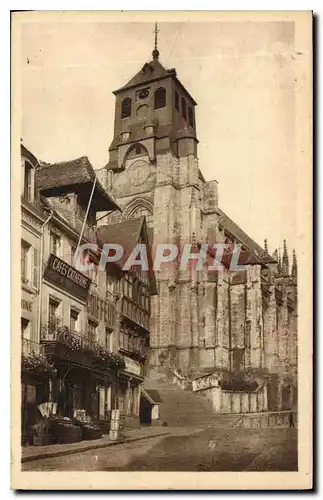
(155,52)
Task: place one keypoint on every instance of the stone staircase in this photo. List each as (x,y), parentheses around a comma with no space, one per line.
(184,408)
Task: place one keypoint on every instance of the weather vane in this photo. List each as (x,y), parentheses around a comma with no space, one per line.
(155,52)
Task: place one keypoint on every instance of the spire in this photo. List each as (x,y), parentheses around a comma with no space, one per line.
(277,258)
(155,52)
(294,266)
(266,245)
(279,266)
(285,262)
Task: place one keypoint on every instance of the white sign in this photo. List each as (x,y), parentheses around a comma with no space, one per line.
(132,366)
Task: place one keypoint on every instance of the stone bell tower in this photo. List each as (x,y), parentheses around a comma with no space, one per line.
(153,171)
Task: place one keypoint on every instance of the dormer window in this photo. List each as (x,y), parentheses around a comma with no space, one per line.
(28,181)
(126,108)
(160,98)
(183,108)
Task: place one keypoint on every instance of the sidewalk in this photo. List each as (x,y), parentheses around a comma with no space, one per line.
(30,453)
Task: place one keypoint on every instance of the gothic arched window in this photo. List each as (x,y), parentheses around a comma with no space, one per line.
(142,211)
(183,108)
(126,107)
(160,98)
(140,208)
(136,150)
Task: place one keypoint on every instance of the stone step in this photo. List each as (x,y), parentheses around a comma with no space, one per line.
(186,408)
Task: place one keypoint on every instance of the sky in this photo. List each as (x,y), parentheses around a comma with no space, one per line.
(242,75)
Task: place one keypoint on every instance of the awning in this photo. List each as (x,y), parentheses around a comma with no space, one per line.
(152,396)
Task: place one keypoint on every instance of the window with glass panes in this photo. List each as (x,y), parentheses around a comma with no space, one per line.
(74,316)
(53,309)
(28,181)
(108,339)
(25,250)
(91,330)
(55,244)
(110,284)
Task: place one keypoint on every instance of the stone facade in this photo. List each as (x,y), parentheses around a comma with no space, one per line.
(201,322)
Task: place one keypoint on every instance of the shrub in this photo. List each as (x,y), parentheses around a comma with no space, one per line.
(37,363)
(238,382)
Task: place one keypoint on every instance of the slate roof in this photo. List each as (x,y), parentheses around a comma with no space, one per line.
(127,234)
(150,72)
(244,239)
(59,178)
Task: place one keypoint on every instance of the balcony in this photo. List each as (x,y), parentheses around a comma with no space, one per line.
(135,313)
(137,351)
(30,347)
(63,343)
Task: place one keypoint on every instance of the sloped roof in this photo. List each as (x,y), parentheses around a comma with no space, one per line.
(245,240)
(127,235)
(150,71)
(154,395)
(136,134)
(59,178)
(28,154)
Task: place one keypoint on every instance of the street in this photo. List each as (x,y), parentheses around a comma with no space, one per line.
(188,450)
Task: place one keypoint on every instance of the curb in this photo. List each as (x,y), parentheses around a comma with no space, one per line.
(62,453)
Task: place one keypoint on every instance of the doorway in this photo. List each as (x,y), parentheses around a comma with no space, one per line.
(145,411)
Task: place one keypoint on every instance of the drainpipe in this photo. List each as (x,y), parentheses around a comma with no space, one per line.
(50,382)
(41,272)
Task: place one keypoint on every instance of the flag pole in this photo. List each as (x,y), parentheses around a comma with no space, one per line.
(85,219)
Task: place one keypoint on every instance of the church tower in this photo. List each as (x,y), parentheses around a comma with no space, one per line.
(153,171)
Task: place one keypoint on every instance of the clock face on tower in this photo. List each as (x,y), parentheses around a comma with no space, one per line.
(138,173)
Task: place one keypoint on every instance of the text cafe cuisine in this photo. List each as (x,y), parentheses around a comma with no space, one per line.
(66,270)
(67,277)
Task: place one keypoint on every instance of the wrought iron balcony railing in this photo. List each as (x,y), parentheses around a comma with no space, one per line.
(67,337)
(30,347)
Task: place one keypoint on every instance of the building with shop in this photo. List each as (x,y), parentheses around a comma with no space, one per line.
(82,315)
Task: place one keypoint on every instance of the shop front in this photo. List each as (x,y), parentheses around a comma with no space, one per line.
(128,390)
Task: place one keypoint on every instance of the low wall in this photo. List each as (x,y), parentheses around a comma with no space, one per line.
(235,402)
(267,419)
(242,402)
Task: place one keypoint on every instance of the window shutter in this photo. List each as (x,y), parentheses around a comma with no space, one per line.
(35,268)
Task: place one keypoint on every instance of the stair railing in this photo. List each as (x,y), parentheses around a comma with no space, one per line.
(180,380)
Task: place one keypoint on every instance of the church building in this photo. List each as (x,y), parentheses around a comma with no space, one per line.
(231,331)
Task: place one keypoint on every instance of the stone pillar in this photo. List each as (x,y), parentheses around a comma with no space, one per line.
(254,314)
(216,398)
(207,341)
(222,322)
(265,397)
(245,402)
(270,337)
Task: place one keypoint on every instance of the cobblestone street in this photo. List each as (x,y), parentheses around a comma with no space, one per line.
(188,450)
